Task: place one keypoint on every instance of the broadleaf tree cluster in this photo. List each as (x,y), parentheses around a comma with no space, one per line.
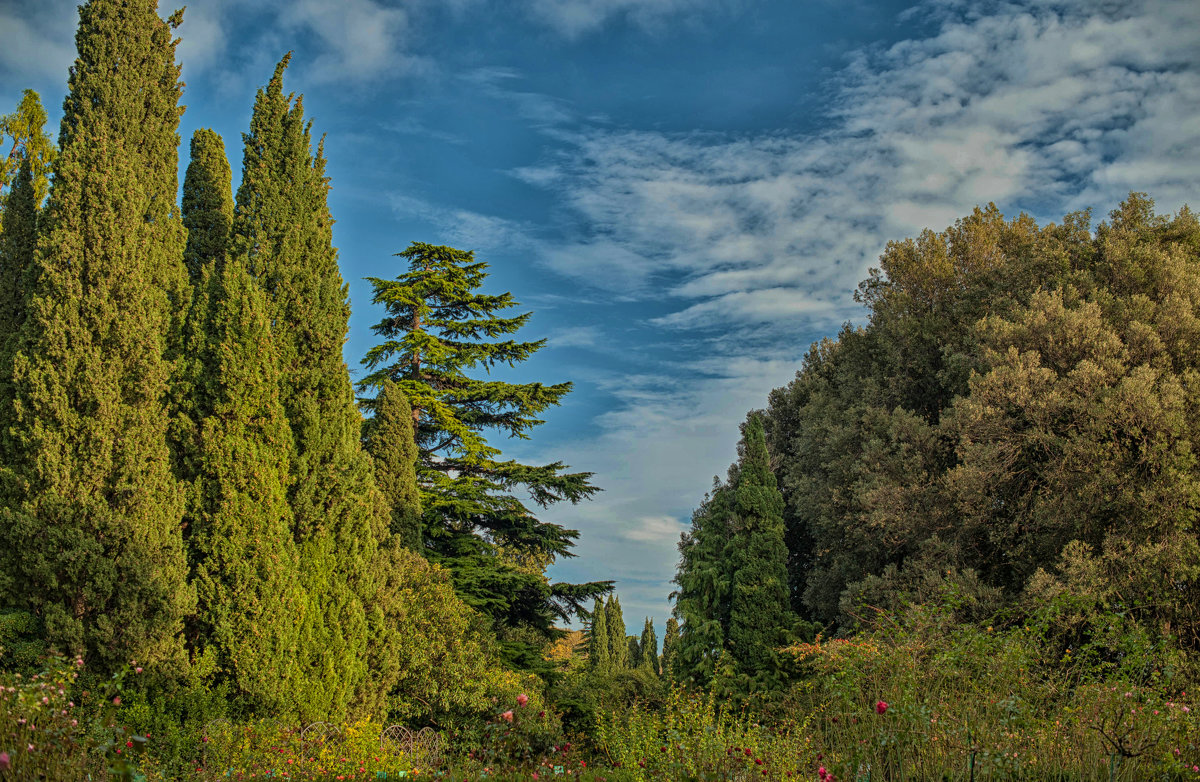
(185,479)
(439,328)
(1016,422)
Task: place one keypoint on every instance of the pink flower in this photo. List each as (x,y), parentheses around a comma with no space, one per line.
(822,773)
(507,715)
(522,699)
(881,707)
(5,761)
(117,701)
(137,669)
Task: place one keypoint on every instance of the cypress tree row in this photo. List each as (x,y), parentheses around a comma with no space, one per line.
(282,231)
(89,499)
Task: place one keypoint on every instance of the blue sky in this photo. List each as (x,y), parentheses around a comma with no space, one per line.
(686,192)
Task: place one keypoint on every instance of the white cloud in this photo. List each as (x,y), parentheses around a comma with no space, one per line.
(573,18)
(1047,107)
(37,40)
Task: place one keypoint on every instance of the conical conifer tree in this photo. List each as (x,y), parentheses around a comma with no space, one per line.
(648,645)
(599,657)
(760,613)
(208,217)
(702,599)
(283,231)
(389,440)
(18,242)
(90,502)
(244,561)
(618,645)
(207,203)
(670,641)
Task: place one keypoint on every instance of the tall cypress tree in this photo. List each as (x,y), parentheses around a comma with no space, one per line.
(207,203)
(208,217)
(18,242)
(90,503)
(618,645)
(702,599)
(599,657)
(389,440)
(649,647)
(760,613)
(244,561)
(283,230)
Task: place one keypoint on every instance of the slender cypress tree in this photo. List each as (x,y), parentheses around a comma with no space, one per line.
(649,647)
(670,640)
(634,656)
(283,230)
(244,561)
(599,658)
(18,242)
(208,216)
(90,502)
(760,610)
(618,646)
(207,203)
(389,440)
(702,599)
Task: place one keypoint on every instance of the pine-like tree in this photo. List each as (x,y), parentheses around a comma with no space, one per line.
(283,230)
(599,658)
(389,440)
(618,645)
(439,327)
(91,516)
(634,656)
(23,132)
(244,561)
(649,647)
(760,614)
(670,641)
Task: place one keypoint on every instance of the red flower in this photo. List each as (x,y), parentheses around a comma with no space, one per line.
(522,699)
(507,715)
(881,707)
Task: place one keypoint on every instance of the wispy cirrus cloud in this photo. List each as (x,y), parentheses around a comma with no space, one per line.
(573,18)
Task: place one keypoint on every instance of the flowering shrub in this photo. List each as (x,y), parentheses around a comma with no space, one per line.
(694,736)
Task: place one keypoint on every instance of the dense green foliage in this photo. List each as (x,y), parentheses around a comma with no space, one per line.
(23,132)
(91,510)
(984,498)
(438,328)
(388,436)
